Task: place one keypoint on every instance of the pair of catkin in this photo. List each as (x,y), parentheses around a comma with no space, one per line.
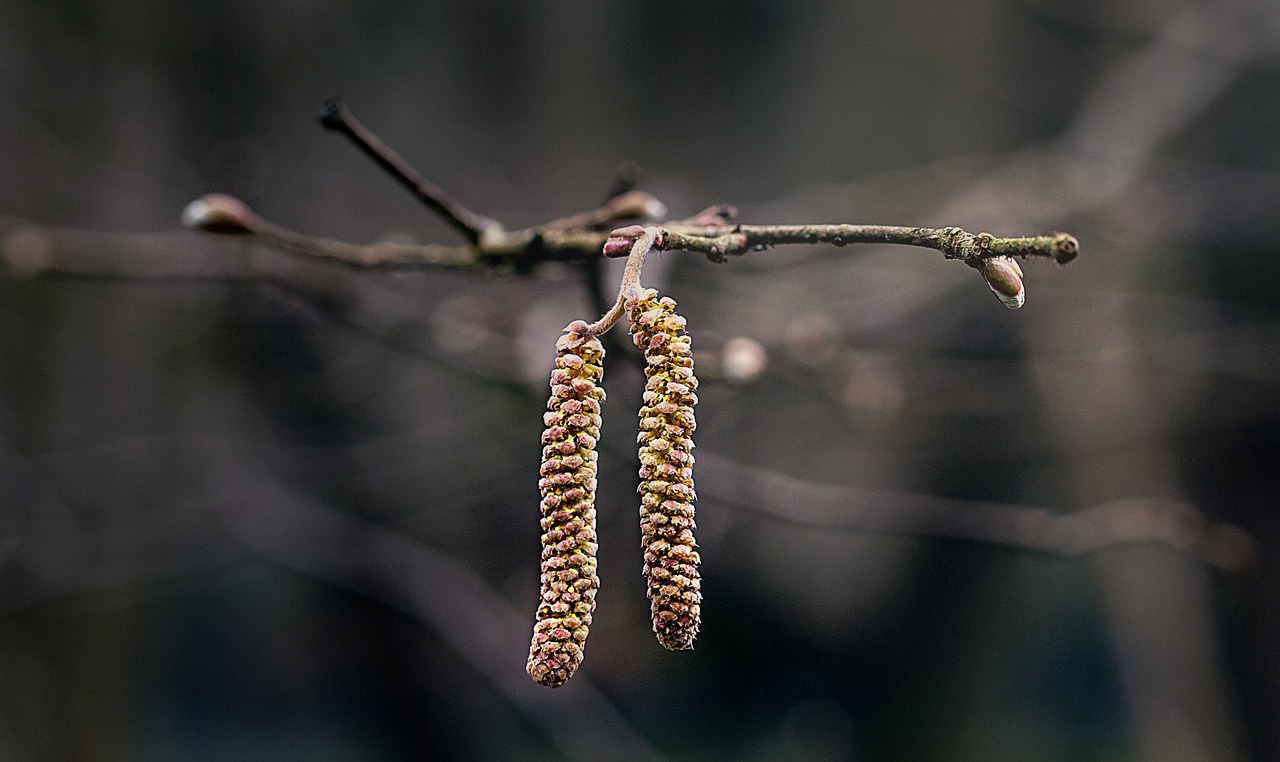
(568,483)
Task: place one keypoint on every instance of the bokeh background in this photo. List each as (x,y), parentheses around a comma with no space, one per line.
(256,507)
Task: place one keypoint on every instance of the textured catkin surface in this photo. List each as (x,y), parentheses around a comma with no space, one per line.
(568,486)
(666,469)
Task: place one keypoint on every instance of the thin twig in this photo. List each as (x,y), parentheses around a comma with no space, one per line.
(616,210)
(336,117)
(625,178)
(371,255)
(227,215)
(953,242)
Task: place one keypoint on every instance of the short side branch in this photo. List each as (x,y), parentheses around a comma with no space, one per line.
(219,213)
(629,205)
(336,117)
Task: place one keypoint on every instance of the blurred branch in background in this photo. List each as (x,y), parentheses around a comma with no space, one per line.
(1169,652)
(52,557)
(1175,526)
(446,596)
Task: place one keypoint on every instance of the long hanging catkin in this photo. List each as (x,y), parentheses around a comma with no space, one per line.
(568,486)
(666,469)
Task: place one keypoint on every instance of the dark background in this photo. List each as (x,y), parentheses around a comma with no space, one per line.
(255,507)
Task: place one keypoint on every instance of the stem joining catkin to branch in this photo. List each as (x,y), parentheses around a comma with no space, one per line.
(666,468)
(568,486)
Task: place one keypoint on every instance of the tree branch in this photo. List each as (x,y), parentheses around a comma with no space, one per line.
(582,237)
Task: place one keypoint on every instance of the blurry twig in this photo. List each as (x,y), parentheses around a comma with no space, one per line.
(51,552)
(1121,522)
(28,249)
(1159,607)
(446,596)
(50,556)
(32,249)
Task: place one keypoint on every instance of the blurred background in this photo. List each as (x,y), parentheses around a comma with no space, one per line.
(256,507)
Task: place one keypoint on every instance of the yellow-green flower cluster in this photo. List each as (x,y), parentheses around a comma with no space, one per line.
(666,468)
(568,486)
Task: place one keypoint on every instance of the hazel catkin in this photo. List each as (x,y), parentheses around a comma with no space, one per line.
(666,469)
(568,487)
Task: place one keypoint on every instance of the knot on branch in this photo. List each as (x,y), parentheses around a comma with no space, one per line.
(1064,248)
(958,243)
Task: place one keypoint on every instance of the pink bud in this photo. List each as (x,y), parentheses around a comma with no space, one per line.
(629,231)
(617,247)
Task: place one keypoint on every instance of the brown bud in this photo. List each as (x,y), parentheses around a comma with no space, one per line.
(1004,277)
(218,213)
